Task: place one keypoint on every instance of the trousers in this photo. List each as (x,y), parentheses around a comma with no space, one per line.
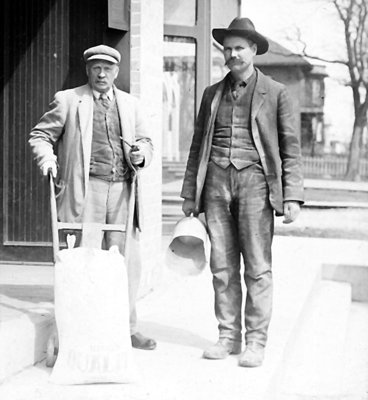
(107,203)
(240,224)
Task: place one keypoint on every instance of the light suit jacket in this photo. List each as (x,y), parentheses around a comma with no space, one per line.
(274,137)
(64,133)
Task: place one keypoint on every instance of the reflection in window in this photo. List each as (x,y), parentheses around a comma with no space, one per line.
(179,12)
(219,69)
(178,97)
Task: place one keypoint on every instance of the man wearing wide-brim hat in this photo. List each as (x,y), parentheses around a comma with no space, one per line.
(244,166)
(102,143)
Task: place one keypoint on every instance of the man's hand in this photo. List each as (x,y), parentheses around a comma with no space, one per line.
(188,207)
(136,155)
(291,211)
(49,166)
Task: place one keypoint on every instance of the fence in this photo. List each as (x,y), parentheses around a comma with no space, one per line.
(332,167)
(313,167)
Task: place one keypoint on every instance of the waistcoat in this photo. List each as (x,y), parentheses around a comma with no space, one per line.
(233,141)
(107,157)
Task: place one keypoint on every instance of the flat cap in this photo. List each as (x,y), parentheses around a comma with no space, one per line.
(102,52)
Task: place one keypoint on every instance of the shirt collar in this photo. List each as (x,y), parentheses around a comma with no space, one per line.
(232,81)
(109,93)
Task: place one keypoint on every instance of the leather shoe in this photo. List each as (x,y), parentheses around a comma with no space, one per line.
(142,342)
(253,355)
(222,349)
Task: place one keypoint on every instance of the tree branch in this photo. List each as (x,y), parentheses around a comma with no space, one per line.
(341,62)
(315,57)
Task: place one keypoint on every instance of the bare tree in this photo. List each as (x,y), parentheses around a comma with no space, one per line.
(354,17)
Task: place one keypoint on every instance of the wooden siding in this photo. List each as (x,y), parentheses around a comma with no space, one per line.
(35,63)
(43,42)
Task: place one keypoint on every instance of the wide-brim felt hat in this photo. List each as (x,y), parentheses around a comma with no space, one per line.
(243,27)
(102,52)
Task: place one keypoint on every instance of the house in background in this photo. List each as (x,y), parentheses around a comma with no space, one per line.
(305,83)
(313,133)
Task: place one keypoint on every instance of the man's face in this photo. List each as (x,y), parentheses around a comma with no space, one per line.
(101,74)
(239,53)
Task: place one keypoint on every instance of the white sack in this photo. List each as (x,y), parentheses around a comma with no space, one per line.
(92,318)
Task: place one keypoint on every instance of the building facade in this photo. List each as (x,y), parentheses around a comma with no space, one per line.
(166,52)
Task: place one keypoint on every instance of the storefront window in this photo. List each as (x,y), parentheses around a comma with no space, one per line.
(178,97)
(219,69)
(178,12)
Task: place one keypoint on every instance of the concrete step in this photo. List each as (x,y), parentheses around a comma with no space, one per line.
(171,200)
(343,222)
(333,184)
(355,372)
(319,194)
(26,316)
(314,361)
(23,341)
(179,315)
(183,335)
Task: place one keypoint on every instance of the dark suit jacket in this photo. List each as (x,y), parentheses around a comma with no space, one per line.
(274,136)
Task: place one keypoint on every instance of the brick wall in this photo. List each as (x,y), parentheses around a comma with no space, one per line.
(146,83)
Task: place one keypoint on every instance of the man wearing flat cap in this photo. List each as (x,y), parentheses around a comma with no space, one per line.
(94,141)
(244,165)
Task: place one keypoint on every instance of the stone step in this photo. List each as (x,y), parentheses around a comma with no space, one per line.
(343,222)
(23,341)
(26,316)
(314,361)
(172,200)
(355,373)
(179,314)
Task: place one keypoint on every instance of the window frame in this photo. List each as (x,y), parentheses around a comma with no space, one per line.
(201,33)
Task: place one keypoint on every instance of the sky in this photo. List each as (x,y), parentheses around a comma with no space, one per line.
(322,31)
(316,19)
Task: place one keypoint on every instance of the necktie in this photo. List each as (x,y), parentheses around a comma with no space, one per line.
(238,88)
(104,100)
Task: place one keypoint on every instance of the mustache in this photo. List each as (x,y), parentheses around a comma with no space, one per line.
(230,60)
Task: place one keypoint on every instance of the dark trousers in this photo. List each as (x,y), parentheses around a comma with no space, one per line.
(240,223)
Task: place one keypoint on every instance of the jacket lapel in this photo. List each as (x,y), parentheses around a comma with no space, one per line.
(85,114)
(215,103)
(125,111)
(217,97)
(259,95)
(260,91)
(205,151)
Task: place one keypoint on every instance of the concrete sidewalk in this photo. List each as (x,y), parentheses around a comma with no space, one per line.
(179,315)
(330,184)
(336,184)
(319,194)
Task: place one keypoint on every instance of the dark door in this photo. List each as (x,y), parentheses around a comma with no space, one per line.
(43,41)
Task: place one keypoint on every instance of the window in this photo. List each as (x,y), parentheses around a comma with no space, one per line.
(178,97)
(178,12)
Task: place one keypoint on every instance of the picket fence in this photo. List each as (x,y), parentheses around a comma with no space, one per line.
(334,167)
(313,167)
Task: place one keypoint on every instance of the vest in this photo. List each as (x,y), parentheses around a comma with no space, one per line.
(107,157)
(233,141)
